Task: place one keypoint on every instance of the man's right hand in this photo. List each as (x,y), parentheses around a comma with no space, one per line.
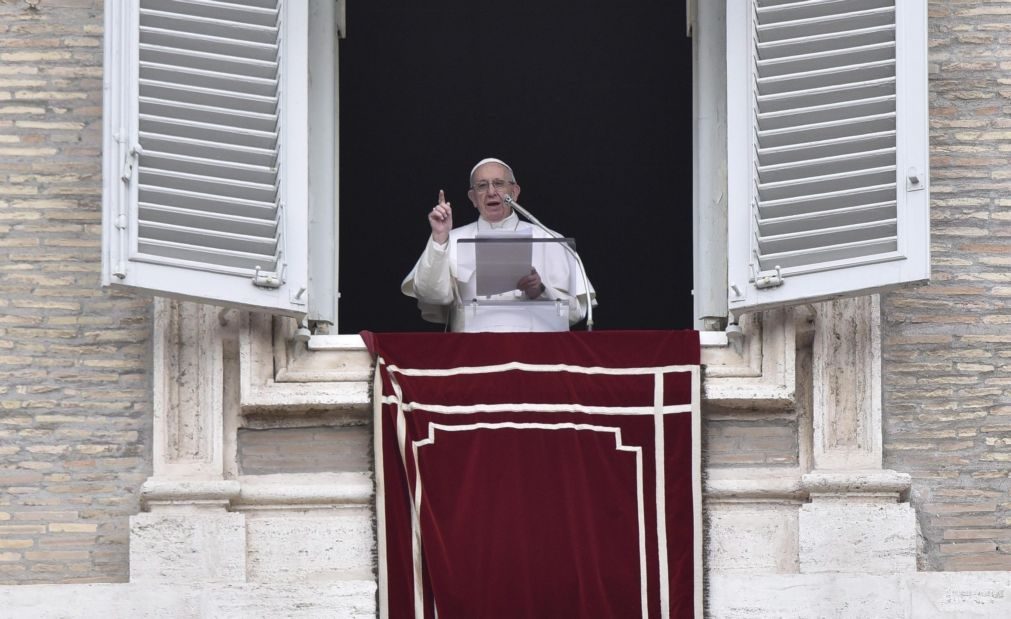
(441,219)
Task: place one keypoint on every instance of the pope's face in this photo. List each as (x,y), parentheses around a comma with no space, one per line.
(490,202)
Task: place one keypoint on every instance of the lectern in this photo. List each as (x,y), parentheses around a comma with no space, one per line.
(501,260)
(498,315)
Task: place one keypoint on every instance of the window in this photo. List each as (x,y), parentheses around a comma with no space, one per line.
(220,156)
(598,134)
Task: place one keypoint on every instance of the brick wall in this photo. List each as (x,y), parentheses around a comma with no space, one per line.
(316,449)
(947,346)
(763,441)
(74,387)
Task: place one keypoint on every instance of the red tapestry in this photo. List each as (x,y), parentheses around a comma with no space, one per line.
(538,474)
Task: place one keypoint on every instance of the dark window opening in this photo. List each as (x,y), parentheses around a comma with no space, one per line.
(590,102)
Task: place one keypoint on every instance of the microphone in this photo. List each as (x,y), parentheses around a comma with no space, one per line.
(582,269)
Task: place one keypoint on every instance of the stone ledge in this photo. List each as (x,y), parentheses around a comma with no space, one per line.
(166,491)
(786,489)
(336,343)
(284,491)
(260,491)
(352,599)
(883,483)
(307,397)
(924,595)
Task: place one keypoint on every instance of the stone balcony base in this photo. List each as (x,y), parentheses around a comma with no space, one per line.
(924,595)
(348,600)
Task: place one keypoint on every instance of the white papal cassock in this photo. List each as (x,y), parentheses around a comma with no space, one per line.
(441,281)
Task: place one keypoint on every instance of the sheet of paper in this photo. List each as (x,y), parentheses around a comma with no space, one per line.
(502,259)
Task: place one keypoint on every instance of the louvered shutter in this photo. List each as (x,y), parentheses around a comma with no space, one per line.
(827,149)
(206,140)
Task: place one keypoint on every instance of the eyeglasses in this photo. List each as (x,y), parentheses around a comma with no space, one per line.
(498,184)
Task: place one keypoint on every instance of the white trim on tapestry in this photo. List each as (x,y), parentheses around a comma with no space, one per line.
(540,367)
(449,409)
(618,445)
(377,446)
(697,488)
(660,487)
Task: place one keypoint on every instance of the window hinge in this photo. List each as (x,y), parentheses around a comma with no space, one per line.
(769,280)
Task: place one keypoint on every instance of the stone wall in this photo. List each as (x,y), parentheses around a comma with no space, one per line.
(75,418)
(947,346)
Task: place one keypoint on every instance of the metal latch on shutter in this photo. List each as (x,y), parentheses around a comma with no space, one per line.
(121,222)
(768,279)
(268,279)
(275,279)
(130,162)
(914,180)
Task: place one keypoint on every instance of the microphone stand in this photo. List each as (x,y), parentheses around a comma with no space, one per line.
(582,270)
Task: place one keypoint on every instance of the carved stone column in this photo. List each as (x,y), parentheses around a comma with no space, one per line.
(187,533)
(857,519)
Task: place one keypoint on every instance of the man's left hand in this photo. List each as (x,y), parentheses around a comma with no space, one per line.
(531,285)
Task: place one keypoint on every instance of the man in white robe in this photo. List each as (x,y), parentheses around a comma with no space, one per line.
(441,281)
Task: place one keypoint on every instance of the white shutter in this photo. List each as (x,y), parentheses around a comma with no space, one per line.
(205,160)
(827,148)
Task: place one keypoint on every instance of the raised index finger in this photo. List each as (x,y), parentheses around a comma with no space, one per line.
(442,198)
